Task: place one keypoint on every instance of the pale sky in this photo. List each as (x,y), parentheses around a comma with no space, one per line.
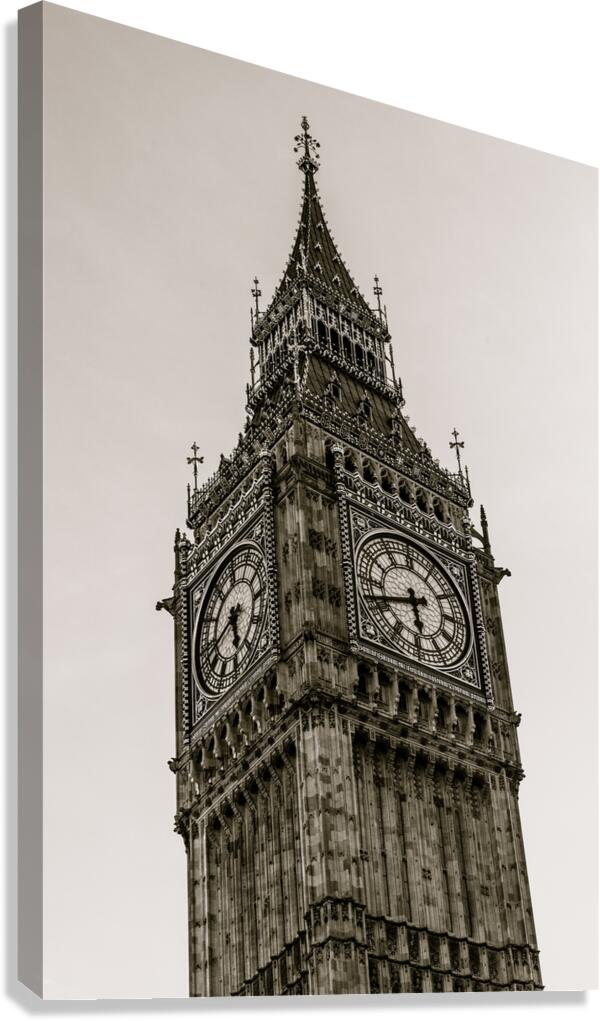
(170,182)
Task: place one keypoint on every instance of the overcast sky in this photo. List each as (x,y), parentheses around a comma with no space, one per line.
(170,182)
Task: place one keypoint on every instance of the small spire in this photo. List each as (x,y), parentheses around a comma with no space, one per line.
(458,445)
(195,461)
(378,291)
(399,392)
(256,293)
(307,146)
(484,529)
(468,485)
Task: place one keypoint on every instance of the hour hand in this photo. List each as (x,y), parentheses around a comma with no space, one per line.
(233,619)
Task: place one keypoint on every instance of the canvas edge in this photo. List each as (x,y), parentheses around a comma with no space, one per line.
(30,500)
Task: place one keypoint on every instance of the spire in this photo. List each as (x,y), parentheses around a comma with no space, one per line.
(484,529)
(314,252)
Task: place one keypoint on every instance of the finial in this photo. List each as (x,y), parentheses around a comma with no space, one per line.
(458,444)
(469,485)
(378,291)
(307,146)
(399,393)
(195,461)
(484,529)
(256,293)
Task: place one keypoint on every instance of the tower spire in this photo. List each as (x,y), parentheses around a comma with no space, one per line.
(314,252)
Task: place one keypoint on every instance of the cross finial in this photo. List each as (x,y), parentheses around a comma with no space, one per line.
(195,461)
(457,445)
(256,293)
(307,146)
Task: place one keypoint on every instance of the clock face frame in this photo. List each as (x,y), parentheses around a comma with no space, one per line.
(230,624)
(412,600)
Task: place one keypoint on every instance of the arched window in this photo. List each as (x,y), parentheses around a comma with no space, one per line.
(403,695)
(404,492)
(461,721)
(422,501)
(386,483)
(368,473)
(364,676)
(359,355)
(478,733)
(335,339)
(438,510)
(321,331)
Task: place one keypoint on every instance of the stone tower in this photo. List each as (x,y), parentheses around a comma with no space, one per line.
(347,760)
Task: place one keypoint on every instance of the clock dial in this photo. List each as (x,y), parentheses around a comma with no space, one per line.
(231,620)
(413,601)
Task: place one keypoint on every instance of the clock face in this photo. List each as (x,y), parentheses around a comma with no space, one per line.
(413,601)
(230,623)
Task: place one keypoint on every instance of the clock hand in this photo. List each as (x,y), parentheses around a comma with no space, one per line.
(234,612)
(414,602)
(222,632)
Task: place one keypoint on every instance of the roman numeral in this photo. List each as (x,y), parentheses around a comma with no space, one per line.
(397,632)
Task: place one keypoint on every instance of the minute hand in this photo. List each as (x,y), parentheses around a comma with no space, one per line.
(421,601)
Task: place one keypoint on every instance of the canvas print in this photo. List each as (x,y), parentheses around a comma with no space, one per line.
(313,461)
(347,762)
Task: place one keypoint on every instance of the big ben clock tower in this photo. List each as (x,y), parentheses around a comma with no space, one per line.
(347,760)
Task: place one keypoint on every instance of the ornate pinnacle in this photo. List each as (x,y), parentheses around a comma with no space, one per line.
(484,529)
(307,146)
(457,445)
(381,310)
(378,291)
(256,293)
(195,461)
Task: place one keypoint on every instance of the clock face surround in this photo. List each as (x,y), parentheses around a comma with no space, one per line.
(412,600)
(230,623)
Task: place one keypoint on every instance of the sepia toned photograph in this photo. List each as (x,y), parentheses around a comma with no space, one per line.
(319,386)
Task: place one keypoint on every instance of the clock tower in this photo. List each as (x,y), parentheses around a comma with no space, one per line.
(347,761)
